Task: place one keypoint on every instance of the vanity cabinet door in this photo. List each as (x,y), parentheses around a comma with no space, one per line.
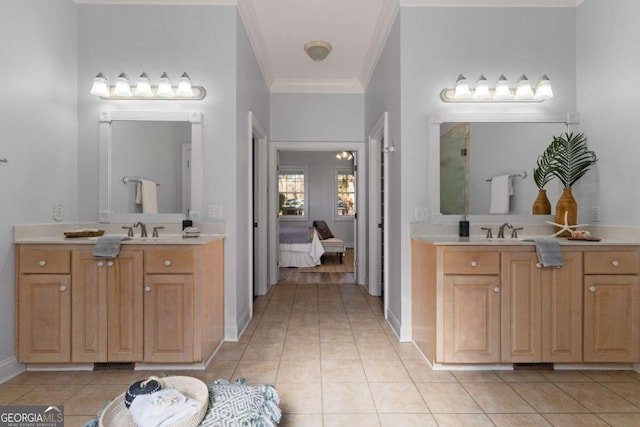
(471,319)
(44,318)
(611,318)
(168,318)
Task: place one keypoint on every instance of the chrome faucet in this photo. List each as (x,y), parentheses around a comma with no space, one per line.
(143,228)
(501,230)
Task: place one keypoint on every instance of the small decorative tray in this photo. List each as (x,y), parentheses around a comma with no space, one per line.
(586,239)
(83,233)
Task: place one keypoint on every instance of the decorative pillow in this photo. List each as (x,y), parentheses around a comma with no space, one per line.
(323,229)
(239,404)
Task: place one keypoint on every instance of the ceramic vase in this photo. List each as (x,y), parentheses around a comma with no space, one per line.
(542,205)
(567,204)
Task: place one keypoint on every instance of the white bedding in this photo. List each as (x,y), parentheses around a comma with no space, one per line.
(301,254)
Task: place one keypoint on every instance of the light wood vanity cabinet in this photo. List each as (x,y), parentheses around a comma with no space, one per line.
(495,304)
(153,303)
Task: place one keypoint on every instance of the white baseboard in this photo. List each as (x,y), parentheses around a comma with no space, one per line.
(10,368)
(393,321)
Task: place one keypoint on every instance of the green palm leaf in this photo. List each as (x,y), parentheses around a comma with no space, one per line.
(571,158)
(542,173)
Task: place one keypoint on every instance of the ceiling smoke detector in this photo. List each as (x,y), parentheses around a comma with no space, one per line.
(317,49)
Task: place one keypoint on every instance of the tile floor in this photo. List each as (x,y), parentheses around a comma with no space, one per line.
(335,362)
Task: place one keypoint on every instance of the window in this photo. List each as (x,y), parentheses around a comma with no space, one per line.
(292,188)
(346,200)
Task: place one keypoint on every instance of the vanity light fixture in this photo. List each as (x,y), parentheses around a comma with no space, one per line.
(144,90)
(522,92)
(344,155)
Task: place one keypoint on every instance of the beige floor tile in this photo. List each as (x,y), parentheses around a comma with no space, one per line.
(463,420)
(48,394)
(34,377)
(296,371)
(447,398)
(621,420)
(303,333)
(338,350)
(498,398)
(548,398)
(230,351)
(332,321)
(121,376)
(336,335)
(397,398)
(91,398)
(76,420)
(406,350)
(566,376)
(477,376)
(11,392)
(521,376)
(351,420)
(407,420)
(597,398)
(575,420)
(257,371)
(519,420)
(79,377)
(361,322)
(371,335)
(217,369)
(347,398)
(385,371)
(421,372)
(342,370)
(268,333)
(303,398)
(304,321)
(301,350)
(629,391)
(612,376)
(301,420)
(263,351)
(377,350)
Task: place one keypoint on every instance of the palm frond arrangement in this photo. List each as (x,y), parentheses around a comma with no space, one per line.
(571,159)
(542,173)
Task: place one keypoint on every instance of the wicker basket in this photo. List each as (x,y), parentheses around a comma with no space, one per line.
(117,414)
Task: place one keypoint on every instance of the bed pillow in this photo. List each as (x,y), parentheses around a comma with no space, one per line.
(323,229)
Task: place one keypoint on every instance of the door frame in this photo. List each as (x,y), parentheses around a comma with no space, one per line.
(361,223)
(257,131)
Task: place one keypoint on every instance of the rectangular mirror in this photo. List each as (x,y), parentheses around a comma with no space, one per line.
(468,150)
(162,148)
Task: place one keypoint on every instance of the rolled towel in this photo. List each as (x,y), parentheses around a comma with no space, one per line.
(548,251)
(165,407)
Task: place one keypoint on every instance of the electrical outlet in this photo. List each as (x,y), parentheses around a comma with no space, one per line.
(421,214)
(58,212)
(215,211)
(595,214)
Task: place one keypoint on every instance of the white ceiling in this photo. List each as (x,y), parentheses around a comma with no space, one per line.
(357,30)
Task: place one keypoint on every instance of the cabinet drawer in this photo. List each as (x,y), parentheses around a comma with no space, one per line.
(44,261)
(471,262)
(612,262)
(168,261)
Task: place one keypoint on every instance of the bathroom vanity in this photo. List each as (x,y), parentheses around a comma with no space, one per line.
(159,301)
(478,301)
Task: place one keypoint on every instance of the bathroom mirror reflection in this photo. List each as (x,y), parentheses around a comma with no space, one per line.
(149,165)
(469,150)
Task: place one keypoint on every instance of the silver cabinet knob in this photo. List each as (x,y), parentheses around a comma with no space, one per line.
(615,263)
(63,288)
(110,263)
(42,263)
(496,289)
(538,265)
(100,263)
(474,264)
(147,289)
(167,263)
(592,289)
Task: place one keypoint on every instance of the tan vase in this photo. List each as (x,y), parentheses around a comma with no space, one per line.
(542,205)
(566,203)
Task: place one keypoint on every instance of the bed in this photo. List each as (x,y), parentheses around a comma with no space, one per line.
(299,247)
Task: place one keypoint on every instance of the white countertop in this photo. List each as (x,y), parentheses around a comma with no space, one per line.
(167,239)
(521,241)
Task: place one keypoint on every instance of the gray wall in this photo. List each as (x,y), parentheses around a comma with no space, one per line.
(321,199)
(608,60)
(38,132)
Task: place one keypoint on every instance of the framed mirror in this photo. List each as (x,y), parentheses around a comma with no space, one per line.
(150,166)
(468,150)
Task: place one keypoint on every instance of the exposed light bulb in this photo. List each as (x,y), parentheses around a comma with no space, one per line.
(543,88)
(100,86)
(184,86)
(123,87)
(143,88)
(482,88)
(164,86)
(462,88)
(523,88)
(502,88)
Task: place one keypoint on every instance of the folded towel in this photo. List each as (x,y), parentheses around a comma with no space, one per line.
(108,246)
(147,196)
(165,407)
(501,190)
(548,251)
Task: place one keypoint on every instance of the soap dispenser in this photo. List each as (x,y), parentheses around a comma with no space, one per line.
(464,227)
(187,222)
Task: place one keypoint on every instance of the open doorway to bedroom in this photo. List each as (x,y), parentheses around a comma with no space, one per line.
(317,206)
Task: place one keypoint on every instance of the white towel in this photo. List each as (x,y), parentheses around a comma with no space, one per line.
(162,408)
(147,196)
(501,190)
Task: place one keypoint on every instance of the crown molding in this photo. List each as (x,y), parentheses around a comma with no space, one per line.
(387,16)
(317,86)
(254,32)
(490,3)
